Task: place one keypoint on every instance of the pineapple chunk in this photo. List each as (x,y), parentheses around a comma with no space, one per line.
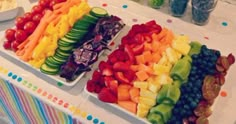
(182,39)
(154,86)
(164,79)
(160,69)
(183,48)
(141,84)
(143,106)
(142,113)
(171,55)
(164,60)
(147,94)
(147,101)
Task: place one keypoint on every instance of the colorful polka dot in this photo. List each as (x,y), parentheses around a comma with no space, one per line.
(45,93)
(59,84)
(35,88)
(95,121)
(125,6)
(223,93)
(207,38)
(89,117)
(50,96)
(77,111)
(14,77)
(102,122)
(66,105)
(224,24)
(29,85)
(10,74)
(25,82)
(39,90)
(83,114)
(19,79)
(55,99)
(134,20)
(104,5)
(60,102)
(169,21)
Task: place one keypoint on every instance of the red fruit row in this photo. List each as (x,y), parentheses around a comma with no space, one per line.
(117,69)
(26,24)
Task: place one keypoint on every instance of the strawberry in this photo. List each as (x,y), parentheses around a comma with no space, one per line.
(102,65)
(107,80)
(130,75)
(130,53)
(121,66)
(91,86)
(113,85)
(120,77)
(107,72)
(98,88)
(138,49)
(101,82)
(96,75)
(106,95)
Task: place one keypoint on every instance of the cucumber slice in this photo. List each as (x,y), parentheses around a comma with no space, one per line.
(65,44)
(63,53)
(49,70)
(52,64)
(60,60)
(68,40)
(90,18)
(60,56)
(54,61)
(98,12)
(82,24)
(66,48)
(75,38)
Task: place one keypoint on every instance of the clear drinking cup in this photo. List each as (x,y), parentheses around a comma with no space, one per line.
(201,10)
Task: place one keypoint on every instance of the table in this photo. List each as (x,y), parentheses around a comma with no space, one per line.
(72,105)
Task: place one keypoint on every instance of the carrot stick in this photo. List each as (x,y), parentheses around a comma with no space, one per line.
(58,5)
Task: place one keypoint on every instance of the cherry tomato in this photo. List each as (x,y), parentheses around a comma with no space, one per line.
(7,45)
(20,22)
(37,9)
(14,45)
(29,27)
(52,3)
(10,34)
(20,35)
(37,18)
(44,3)
(28,16)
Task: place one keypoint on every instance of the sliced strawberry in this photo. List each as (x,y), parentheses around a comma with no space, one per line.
(106,95)
(138,49)
(130,75)
(130,53)
(113,85)
(98,88)
(90,86)
(102,65)
(107,80)
(96,75)
(121,66)
(101,82)
(107,72)
(120,77)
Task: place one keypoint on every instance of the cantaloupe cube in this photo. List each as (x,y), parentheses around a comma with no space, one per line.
(142,75)
(128,105)
(123,94)
(134,94)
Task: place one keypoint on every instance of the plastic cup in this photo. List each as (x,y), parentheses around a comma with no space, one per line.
(156,4)
(178,7)
(201,10)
